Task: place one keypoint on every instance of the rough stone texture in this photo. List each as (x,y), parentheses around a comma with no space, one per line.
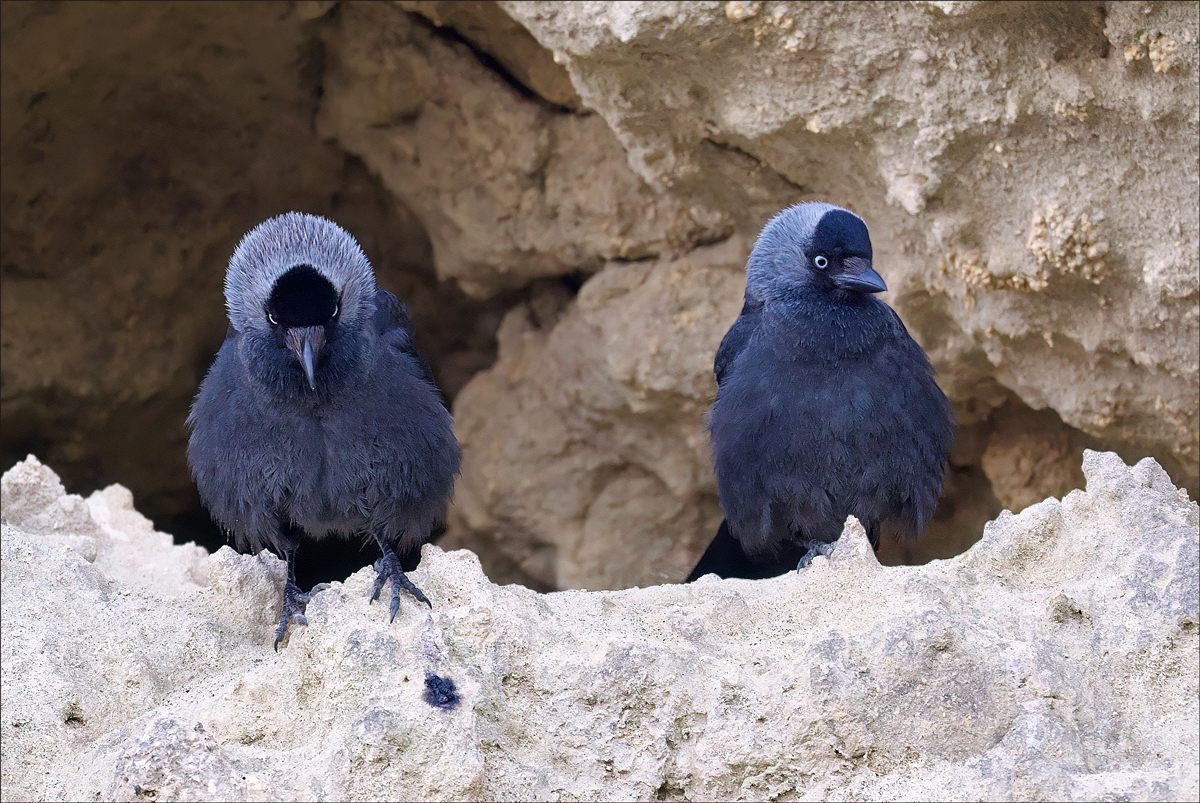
(1029,451)
(509,189)
(1029,172)
(586,439)
(491,31)
(1057,659)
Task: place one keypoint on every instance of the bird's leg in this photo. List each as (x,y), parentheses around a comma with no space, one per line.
(389,568)
(294,600)
(814,548)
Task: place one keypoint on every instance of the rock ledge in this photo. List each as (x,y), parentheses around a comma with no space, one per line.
(1056,659)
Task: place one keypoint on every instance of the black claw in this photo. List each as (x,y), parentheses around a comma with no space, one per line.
(388,568)
(814,548)
(281,631)
(294,602)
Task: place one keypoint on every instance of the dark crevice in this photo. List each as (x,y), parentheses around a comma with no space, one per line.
(311,66)
(73,716)
(490,63)
(1105,46)
(759,163)
(1079,27)
(573,281)
(712,237)
(654,257)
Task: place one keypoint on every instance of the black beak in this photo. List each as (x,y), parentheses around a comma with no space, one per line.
(859,276)
(305,343)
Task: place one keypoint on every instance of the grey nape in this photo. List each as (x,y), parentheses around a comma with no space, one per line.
(825,408)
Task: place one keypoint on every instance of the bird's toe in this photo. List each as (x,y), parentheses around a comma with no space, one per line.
(389,568)
(294,602)
(814,549)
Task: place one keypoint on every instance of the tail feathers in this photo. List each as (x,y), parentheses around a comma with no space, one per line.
(725,558)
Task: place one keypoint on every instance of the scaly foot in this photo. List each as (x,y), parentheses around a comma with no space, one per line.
(389,568)
(294,602)
(814,548)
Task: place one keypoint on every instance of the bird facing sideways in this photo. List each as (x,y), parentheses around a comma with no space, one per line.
(825,407)
(319,417)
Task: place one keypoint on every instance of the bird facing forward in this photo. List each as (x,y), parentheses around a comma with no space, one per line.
(319,417)
(825,407)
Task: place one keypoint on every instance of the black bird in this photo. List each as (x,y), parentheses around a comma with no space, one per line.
(319,417)
(826,407)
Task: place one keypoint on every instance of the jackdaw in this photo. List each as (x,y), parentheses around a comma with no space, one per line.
(318,416)
(825,407)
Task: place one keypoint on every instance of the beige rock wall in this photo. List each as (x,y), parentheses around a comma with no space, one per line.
(509,188)
(587,436)
(1029,172)
(1030,182)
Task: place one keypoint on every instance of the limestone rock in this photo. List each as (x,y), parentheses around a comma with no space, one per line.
(1028,451)
(488,28)
(584,452)
(1028,173)
(1054,660)
(508,189)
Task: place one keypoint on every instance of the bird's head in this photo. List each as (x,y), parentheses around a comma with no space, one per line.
(812,246)
(300,291)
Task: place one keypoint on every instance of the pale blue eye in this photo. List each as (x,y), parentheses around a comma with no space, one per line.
(821,262)
(271,318)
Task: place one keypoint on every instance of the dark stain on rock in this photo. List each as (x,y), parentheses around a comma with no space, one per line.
(440,692)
